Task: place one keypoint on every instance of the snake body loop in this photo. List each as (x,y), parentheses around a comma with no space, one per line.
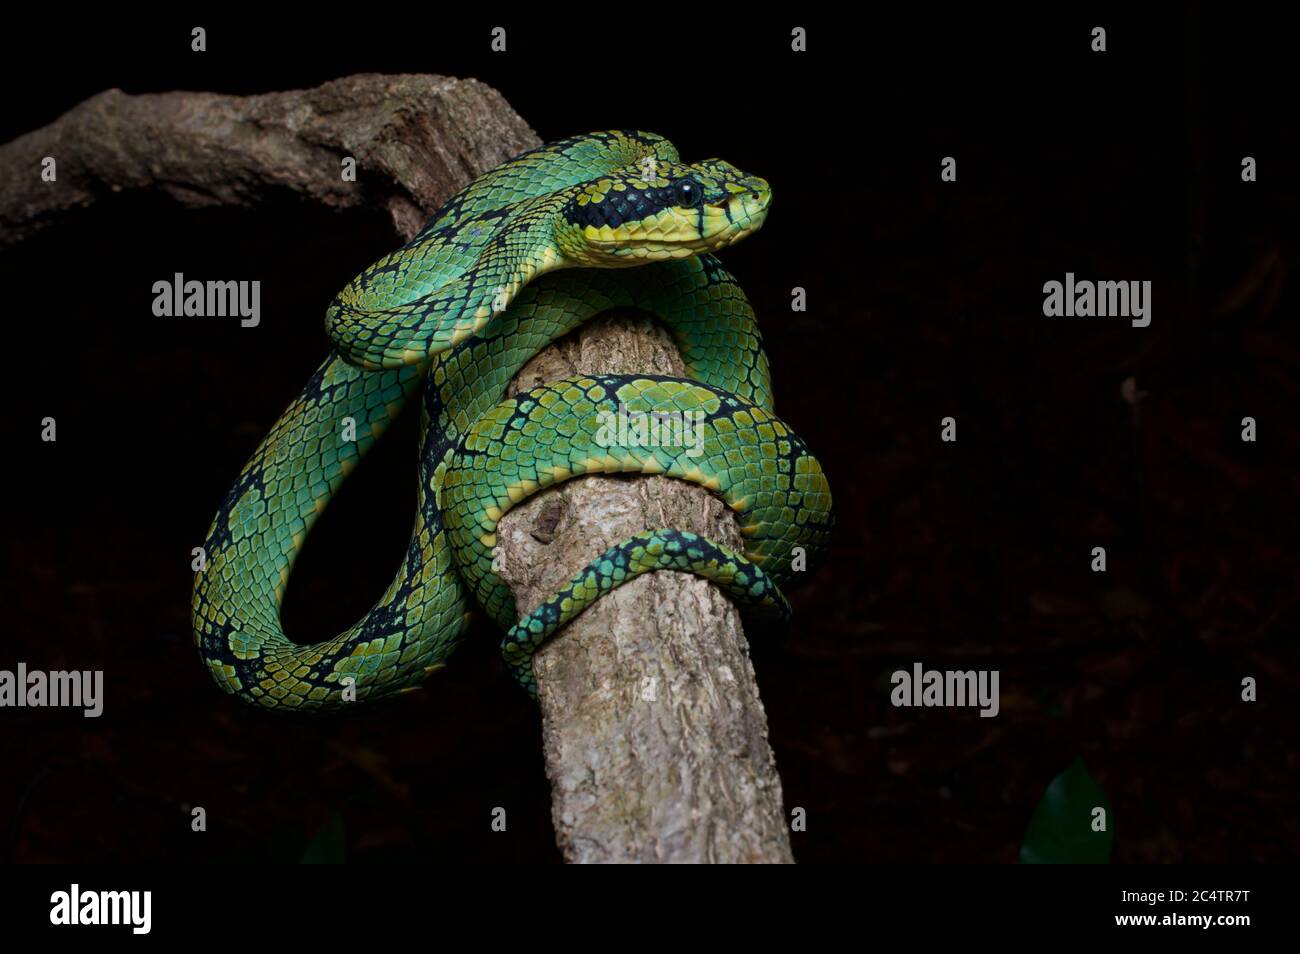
(522,256)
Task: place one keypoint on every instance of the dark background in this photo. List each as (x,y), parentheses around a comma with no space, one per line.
(924,301)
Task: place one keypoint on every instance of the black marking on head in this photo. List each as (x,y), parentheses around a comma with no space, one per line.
(617,208)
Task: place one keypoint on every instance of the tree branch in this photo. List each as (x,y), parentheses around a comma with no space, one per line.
(416,140)
(654,734)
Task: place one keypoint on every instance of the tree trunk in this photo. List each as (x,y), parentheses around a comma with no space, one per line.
(654,734)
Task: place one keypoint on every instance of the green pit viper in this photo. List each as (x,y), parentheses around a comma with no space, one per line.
(519,258)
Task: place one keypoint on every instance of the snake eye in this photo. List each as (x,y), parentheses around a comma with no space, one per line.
(687,192)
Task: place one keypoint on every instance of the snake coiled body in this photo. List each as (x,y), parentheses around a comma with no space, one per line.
(522,256)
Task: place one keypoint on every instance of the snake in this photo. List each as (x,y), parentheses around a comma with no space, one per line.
(519,258)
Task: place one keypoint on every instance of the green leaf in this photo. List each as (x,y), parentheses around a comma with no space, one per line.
(1061,831)
(329,846)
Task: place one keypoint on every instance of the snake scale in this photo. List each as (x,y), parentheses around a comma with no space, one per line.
(519,258)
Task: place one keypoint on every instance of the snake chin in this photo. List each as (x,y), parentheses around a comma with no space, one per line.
(682,248)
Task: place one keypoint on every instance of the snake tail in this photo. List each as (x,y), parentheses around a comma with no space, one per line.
(745,583)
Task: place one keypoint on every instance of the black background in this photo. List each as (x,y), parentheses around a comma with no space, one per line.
(924,301)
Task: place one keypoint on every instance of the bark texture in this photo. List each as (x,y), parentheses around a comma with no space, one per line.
(416,140)
(655,737)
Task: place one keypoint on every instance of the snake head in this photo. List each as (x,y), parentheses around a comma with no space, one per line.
(660,210)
